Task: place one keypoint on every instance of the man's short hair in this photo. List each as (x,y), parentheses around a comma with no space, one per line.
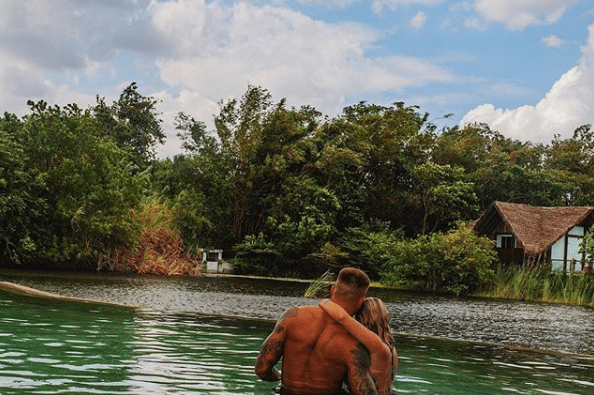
(352,283)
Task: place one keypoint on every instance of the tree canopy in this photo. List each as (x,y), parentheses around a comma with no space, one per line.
(282,190)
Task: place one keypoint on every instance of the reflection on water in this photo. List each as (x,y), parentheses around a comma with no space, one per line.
(194,354)
(56,347)
(50,347)
(453,367)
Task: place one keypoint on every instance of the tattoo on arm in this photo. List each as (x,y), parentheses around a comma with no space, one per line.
(361,381)
(272,349)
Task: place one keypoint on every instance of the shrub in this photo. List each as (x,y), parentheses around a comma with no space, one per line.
(457,262)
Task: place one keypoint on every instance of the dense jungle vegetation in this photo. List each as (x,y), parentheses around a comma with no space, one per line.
(283,191)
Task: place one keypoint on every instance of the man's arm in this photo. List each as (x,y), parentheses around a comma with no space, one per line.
(360,381)
(272,349)
(369,339)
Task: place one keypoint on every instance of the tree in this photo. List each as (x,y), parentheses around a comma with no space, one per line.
(499,168)
(133,124)
(278,171)
(571,163)
(442,195)
(81,184)
(18,208)
(396,139)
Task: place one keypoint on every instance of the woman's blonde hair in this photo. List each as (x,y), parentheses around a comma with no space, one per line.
(374,316)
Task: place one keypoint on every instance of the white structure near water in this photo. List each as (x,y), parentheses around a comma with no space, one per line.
(565,252)
(214,262)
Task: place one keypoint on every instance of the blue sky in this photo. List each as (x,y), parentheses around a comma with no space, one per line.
(525,67)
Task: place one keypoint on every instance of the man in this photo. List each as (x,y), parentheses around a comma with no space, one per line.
(318,353)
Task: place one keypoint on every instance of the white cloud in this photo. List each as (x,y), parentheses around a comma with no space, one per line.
(328,3)
(553,41)
(199,52)
(311,62)
(418,21)
(21,81)
(65,34)
(508,90)
(517,15)
(46,46)
(189,102)
(569,104)
(218,51)
(475,23)
(378,5)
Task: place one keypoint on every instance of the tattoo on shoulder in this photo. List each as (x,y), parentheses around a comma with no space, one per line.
(292,312)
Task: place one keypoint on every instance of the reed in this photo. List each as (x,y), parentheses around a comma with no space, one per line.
(319,287)
(540,285)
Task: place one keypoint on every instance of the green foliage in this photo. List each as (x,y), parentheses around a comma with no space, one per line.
(257,256)
(457,262)
(442,195)
(132,123)
(290,192)
(391,142)
(17,208)
(77,193)
(499,168)
(369,248)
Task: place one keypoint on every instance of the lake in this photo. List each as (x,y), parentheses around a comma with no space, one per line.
(202,335)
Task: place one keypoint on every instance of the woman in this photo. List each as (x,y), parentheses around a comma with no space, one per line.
(372,329)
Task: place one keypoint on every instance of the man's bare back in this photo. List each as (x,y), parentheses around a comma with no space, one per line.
(318,354)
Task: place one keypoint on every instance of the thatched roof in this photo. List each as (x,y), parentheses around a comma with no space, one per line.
(535,228)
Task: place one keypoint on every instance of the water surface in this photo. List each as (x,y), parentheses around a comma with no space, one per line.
(174,345)
(510,323)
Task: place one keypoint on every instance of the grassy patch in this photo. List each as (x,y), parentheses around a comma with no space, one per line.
(535,284)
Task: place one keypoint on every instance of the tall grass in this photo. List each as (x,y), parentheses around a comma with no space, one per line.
(540,285)
(319,288)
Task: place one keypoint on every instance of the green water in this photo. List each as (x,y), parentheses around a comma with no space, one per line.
(53,347)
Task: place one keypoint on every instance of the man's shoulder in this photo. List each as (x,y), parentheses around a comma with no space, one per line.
(305,311)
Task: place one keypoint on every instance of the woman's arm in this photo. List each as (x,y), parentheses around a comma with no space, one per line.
(395,360)
(370,340)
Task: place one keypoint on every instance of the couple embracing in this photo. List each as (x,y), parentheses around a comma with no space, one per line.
(323,346)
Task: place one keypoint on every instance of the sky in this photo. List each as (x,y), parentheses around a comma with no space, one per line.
(524,67)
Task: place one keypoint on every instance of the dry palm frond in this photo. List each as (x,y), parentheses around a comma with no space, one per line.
(159,251)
